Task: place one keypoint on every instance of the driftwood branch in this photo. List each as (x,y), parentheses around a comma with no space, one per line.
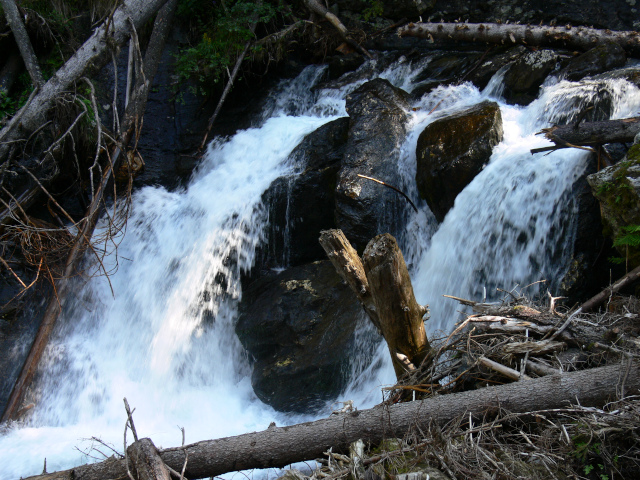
(281,446)
(581,38)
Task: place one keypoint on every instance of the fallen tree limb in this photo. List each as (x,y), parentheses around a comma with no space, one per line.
(281,446)
(590,134)
(115,31)
(600,298)
(582,38)
(132,120)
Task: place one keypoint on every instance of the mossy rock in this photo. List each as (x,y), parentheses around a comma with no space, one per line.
(617,188)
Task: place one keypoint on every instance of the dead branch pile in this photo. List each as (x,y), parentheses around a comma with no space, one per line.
(502,343)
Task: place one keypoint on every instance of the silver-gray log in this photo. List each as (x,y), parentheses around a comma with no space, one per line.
(281,446)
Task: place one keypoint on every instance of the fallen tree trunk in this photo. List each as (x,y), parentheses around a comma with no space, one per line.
(591,134)
(115,31)
(582,38)
(382,284)
(280,446)
(132,120)
(146,462)
(399,313)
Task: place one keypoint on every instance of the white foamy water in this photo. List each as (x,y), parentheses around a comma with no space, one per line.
(165,339)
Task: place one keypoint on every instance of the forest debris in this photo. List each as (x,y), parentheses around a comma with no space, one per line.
(533,348)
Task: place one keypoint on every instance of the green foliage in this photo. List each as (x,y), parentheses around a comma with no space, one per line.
(375,10)
(222,31)
(630,236)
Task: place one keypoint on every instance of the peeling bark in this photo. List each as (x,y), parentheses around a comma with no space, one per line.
(582,38)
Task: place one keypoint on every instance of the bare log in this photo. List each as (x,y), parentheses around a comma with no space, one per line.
(115,31)
(399,313)
(601,297)
(146,461)
(581,38)
(133,116)
(22,39)
(281,446)
(591,134)
(347,263)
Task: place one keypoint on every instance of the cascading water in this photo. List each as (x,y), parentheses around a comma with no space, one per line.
(165,339)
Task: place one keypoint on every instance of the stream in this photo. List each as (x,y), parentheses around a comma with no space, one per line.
(165,339)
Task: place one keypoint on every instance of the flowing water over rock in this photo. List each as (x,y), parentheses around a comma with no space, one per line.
(165,339)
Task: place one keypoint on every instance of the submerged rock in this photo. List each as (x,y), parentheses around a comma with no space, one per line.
(523,78)
(378,120)
(298,327)
(451,151)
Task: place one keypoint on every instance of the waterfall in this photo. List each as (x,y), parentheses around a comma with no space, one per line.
(165,338)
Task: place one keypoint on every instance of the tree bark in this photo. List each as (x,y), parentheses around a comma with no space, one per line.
(132,117)
(146,461)
(582,38)
(115,31)
(280,446)
(591,134)
(22,39)
(399,314)
(347,263)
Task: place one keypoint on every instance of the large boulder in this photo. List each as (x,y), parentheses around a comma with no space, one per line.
(493,62)
(378,121)
(618,189)
(302,204)
(298,327)
(523,78)
(599,59)
(451,151)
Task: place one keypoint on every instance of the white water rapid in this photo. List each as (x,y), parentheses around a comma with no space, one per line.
(165,339)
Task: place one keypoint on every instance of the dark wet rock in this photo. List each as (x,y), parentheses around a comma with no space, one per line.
(494,61)
(302,204)
(617,188)
(631,74)
(338,65)
(523,78)
(298,327)
(597,60)
(587,264)
(367,70)
(444,69)
(378,118)
(451,151)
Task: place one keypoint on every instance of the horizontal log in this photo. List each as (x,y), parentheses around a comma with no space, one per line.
(594,133)
(581,38)
(281,446)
